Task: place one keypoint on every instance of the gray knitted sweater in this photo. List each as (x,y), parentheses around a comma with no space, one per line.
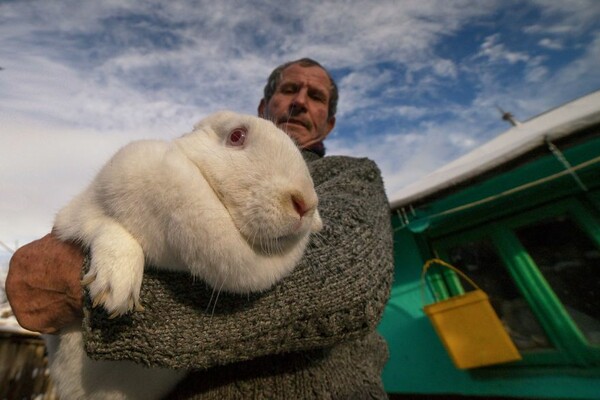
(310,337)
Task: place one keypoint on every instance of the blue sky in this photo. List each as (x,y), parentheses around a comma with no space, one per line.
(420,81)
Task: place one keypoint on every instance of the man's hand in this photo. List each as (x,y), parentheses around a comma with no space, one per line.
(43,285)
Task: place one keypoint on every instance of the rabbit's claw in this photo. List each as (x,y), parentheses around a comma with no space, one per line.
(114,281)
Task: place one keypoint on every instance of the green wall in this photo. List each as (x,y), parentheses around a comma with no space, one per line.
(418,362)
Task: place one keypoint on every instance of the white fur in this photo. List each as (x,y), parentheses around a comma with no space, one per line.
(222,213)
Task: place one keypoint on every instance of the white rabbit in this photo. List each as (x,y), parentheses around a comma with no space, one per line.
(232,203)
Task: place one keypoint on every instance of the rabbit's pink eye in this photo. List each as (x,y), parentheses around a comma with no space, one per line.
(237,137)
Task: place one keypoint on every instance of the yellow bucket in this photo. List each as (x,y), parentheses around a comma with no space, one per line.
(469,327)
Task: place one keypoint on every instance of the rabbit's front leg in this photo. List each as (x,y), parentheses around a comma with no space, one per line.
(116,269)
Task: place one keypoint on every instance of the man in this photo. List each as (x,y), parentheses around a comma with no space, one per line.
(310,337)
(301,98)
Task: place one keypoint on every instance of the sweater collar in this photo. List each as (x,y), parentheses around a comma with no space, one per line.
(317,148)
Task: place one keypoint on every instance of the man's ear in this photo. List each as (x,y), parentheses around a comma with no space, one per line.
(261,108)
(330,124)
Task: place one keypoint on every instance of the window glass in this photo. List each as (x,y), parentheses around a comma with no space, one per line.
(570,262)
(480,262)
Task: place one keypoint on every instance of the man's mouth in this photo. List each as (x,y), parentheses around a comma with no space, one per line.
(293,121)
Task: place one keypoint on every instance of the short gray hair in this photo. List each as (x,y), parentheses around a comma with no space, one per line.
(277,74)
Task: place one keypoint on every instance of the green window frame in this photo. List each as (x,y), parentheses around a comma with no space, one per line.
(570,346)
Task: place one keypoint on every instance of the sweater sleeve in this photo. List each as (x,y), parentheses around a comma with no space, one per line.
(336,293)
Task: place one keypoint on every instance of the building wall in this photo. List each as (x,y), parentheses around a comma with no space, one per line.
(418,362)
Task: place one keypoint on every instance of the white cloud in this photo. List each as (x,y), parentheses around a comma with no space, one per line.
(411,112)
(576,78)
(43,167)
(358,88)
(551,44)
(536,74)
(495,51)
(562,17)
(445,68)
(406,156)
(82,78)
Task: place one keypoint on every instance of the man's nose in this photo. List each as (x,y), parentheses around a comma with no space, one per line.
(299,100)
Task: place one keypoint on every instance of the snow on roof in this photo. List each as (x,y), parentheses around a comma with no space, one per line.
(554,124)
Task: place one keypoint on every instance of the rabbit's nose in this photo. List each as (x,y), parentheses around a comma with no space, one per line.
(302,204)
(299,205)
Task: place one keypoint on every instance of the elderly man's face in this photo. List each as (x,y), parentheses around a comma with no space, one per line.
(300,104)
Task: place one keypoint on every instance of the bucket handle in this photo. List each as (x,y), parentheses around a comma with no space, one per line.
(426,267)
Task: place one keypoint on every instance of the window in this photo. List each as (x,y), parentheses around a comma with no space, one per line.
(480,261)
(570,263)
(541,270)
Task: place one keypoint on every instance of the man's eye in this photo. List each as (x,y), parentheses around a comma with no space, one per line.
(318,97)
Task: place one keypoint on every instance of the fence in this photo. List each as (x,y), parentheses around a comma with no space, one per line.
(24,368)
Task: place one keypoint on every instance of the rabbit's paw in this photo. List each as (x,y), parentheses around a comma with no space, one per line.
(114,281)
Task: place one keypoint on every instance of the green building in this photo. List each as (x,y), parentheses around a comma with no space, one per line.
(520,216)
